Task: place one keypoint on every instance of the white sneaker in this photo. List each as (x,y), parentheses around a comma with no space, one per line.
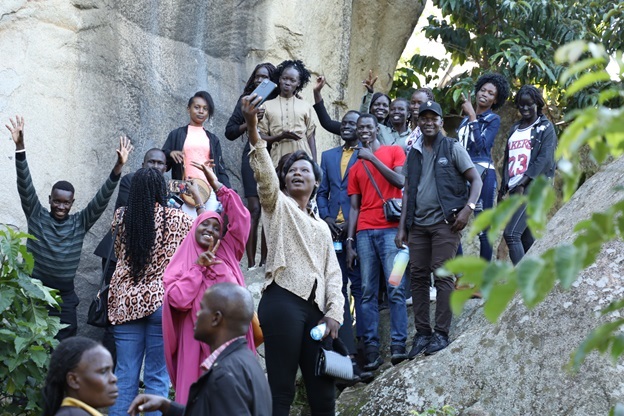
(409,301)
(432,294)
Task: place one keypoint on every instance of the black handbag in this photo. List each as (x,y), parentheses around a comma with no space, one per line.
(98,310)
(392,206)
(334,364)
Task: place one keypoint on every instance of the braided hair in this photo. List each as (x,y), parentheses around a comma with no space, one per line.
(65,358)
(534,93)
(147,189)
(297,65)
(250,85)
(427,91)
(501,84)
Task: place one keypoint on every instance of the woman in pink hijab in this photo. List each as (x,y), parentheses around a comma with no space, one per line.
(202,259)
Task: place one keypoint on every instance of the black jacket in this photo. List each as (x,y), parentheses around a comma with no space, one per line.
(542,160)
(175,141)
(235,385)
(105,247)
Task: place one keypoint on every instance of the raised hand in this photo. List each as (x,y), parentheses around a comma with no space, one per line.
(208,258)
(208,169)
(250,109)
(370,81)
(467,107)
(17,131)
(125,147)
(320,83)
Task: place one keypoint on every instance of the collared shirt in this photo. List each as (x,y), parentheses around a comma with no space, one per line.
(344,164)
(208,362)
(301,251)
(71,402)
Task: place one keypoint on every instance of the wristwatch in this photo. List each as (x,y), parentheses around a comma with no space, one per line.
(471,205)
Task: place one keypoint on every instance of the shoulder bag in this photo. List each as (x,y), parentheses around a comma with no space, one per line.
(98,310)
(392,206)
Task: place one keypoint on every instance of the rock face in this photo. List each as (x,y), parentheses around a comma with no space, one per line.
(517,366)
(83,72)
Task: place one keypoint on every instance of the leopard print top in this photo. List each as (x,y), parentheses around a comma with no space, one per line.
(128,301)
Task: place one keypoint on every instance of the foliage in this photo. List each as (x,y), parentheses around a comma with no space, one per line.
(26,331)
(446,410)
(602,130)
(518,39)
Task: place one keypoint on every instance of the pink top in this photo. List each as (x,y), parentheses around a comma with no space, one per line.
(196,149)
(185,283)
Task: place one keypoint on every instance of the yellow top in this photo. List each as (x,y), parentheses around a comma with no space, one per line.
(71,402)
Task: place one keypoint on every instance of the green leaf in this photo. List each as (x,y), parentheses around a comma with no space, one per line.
(586,80)
(497,218)
(528,271)
(541,199)
(20,344)
(568,263)
(459,299)
(498,299)
(580,67)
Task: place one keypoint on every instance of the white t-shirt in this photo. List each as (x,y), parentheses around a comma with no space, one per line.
(519,155)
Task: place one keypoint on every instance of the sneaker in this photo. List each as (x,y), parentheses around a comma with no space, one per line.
(438,342)
(373,360)
(398,354)
(421,342)
(409,301)
(433,293)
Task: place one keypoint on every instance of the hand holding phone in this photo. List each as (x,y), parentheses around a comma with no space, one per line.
(263,90)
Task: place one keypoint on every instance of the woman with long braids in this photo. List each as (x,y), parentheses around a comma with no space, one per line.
(530,152)
(477,132)
(236,127)
(287,124)
(148,235)
(80,379)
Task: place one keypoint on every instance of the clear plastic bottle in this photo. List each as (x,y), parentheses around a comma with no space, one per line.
(318,331)
(398,269)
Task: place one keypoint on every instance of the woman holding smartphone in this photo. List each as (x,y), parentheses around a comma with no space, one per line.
(303,279)
(237,127)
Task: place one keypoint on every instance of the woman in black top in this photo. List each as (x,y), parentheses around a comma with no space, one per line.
(236,127)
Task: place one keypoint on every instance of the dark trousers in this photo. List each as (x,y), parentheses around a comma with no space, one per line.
(67,315)
(517,235)
(286,321)
(429,248)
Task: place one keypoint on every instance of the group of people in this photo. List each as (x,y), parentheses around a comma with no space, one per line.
(334,219)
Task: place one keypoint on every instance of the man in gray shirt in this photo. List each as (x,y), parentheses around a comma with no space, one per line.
(436,207)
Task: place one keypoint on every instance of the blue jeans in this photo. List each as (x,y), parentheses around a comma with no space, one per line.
(486,199)
(134,341)
(376,250)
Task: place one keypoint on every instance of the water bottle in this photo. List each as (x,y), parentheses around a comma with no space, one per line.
(318,331)
(400,263)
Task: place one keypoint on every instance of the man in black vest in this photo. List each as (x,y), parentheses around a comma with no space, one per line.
(436,207)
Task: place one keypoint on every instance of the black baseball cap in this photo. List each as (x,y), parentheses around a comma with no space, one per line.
(430,106)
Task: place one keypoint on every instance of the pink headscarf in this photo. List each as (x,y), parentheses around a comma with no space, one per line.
(176,324)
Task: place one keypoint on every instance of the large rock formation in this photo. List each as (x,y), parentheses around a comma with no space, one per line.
(83,72)
(518,365)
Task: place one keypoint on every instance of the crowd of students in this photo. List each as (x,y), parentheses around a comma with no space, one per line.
(326,235)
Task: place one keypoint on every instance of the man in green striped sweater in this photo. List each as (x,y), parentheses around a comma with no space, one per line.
(60,235)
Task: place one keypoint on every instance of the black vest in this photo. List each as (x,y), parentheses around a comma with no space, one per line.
(450,182)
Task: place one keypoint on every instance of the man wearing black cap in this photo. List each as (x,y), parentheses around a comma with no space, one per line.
(436,207)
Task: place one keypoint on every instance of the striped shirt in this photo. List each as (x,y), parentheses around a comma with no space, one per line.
(59,243)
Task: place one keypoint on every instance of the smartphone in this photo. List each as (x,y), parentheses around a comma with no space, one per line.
(177,186)
(265,89)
